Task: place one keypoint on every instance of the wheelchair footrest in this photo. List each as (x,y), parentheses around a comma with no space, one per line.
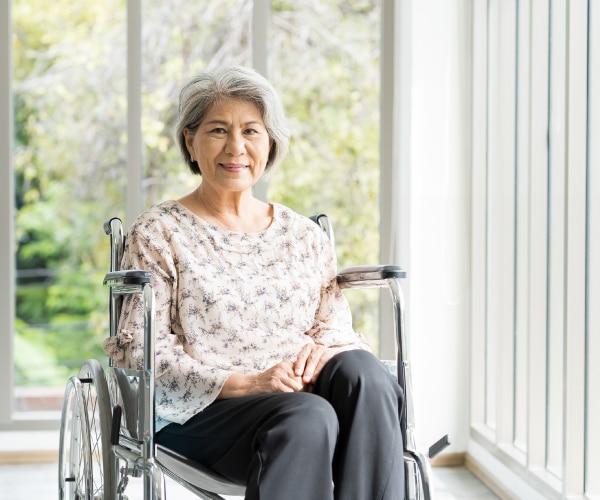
(439,445)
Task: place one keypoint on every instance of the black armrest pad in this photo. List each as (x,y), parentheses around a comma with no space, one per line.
(129,277)
(369,276)
(108,225)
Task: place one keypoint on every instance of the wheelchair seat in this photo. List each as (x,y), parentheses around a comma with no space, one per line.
(107,422)
(196,475)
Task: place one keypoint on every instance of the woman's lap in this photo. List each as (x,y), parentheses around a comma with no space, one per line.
(228,435)
(223,436)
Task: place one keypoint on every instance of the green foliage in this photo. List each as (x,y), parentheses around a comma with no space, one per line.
(70,137)
(36,363)
(325,62)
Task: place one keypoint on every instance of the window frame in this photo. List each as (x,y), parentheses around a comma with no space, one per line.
(547,249)
(7,258)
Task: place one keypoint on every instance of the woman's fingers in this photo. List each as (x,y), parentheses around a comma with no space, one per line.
(300,363)
(295,376)
(279,378)
(311,360)
(313,363)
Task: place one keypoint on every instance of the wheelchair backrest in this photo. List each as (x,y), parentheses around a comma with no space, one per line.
(114,229)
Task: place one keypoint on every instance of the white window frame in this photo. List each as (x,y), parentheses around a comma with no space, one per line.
(592,452)
(535,276)
(7,258)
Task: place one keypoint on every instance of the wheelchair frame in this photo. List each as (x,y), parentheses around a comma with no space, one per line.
(108,414)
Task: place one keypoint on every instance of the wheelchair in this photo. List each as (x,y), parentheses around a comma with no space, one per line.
(107,421)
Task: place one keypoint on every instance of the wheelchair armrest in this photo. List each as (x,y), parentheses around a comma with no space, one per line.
(126,280)
(108,227)
(375,276)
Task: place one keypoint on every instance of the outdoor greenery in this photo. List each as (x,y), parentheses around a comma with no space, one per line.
(70,143)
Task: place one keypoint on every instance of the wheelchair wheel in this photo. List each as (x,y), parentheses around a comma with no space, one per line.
(74,455)
(87,465)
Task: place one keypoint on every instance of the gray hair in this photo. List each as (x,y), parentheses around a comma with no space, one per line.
(233,82)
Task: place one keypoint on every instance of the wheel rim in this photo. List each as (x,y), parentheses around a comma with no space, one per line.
(96,449)
(75,472)
(95,395)
(87,465)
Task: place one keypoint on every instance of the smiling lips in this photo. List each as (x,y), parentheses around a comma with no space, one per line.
(233,167)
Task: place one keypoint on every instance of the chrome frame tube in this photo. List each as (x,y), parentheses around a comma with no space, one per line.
(152,473)
(114,228)
(405,380)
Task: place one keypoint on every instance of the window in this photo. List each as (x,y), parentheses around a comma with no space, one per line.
(535,255)
(94,91)
(69,149)
(334,116)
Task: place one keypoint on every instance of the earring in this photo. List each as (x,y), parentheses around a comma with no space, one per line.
(192,158)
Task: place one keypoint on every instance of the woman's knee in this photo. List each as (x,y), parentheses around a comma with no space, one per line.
(357,365)
(303,418)
(358,370)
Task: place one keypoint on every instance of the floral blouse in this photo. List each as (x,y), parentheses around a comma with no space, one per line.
(227,302)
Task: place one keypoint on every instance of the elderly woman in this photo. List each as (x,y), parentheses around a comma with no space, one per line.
(260,375)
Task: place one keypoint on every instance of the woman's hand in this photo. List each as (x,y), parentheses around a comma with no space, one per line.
(311,360)
(287,376)
(279,378)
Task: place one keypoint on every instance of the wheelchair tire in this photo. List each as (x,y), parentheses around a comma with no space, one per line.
(74,454)
(86,457)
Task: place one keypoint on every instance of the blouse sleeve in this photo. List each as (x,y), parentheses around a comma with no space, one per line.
(332,325)
(184,386)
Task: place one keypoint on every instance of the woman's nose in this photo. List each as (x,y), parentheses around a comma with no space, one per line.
(235,145)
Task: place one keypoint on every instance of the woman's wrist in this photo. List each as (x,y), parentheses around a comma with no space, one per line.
(237,385)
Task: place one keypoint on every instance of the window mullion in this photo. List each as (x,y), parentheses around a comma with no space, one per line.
(478,213)
(394,190)
(592,455)
(538,192)
(501,223)
(575,251)
(7,211)
(135,171)
(522,223)
(261,16)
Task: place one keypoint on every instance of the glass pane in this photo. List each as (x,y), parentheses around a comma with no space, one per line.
(69,66)
(556,232)
(324,59)
(593,325)
(180,39)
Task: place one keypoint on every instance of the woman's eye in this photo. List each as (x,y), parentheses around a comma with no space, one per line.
(251,131)
(218,130)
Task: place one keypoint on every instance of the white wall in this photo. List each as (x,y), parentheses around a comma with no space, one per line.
(438,229)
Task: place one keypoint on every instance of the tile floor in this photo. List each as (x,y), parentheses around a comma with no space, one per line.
(38,482)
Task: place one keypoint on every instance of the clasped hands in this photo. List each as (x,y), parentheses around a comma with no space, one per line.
(287,376)
(299,375)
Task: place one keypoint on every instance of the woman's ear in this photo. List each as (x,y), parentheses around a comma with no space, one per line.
(272,151)
(189,141)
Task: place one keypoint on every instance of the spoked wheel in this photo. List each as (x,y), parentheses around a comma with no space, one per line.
(86,462)
(74,459)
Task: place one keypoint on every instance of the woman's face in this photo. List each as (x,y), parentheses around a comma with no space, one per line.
(231,145)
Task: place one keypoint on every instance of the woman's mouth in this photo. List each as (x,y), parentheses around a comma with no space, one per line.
(233,167)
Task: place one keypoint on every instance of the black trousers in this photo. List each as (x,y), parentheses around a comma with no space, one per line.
(342,441)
